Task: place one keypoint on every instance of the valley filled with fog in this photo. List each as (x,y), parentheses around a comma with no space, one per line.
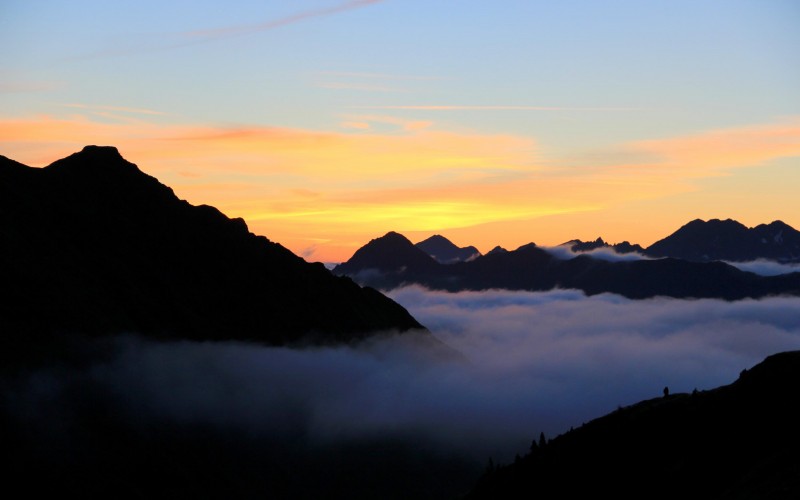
(527,362)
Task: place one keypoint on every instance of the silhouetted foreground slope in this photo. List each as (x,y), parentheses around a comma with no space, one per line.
(735,442)
(392,261)
(92,245)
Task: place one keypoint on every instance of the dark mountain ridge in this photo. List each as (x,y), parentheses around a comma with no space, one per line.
(392,261)
(91,245)
(734,442)
(588,246)
(445,251)
(704,241)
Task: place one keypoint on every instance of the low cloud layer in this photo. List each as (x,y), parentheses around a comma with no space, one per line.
(766,267)
(564,252)
(762,267)
(529,362)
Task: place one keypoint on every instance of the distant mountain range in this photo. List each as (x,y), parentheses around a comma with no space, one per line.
(589,246)
(91,245)
(736,441)
(697,241)
(392,261)
(704,241)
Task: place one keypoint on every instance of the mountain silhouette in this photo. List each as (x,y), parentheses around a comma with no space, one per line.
(445,251)
(496,249)
(91,245)
(388,261)
(703,241)
(736,441)
(392,261)
(588,246)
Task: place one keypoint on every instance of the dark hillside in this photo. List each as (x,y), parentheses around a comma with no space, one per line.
(91,245)
(738,441)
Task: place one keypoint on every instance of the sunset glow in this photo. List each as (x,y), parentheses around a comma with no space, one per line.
(347,140)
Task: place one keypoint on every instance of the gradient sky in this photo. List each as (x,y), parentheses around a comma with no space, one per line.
(327,123)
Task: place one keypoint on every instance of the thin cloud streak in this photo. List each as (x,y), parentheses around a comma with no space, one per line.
(357,86)
(197,37)
(376,76)
(499,108)
(123,109)
(19,87)
(232,31)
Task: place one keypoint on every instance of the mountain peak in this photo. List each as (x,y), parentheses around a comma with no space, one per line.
(101,151)
(95,161)
(438,238)
(445,251)
(100,247)
(394,238)
(387,254)
(729,240)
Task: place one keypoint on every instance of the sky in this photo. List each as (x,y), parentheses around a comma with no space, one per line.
(326,123)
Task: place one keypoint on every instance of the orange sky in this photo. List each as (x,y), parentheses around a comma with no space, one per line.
(326,123)
(324,194)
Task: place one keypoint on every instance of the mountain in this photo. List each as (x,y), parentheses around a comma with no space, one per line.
(734,442)
(91,245)
(703,241)
(388,261)
(497,249)
(392,261)
(588,246)
(445,251)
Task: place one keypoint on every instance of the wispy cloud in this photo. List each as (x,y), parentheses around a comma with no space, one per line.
(564,252)
(9,86)
(500,108)
(122,109)
(766,267)
(369,82)
(195,37)
(725,148)
(404,123)
(375,76)
(357,86)
(246,29)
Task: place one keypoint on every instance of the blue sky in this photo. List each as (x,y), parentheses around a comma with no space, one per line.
(582,83)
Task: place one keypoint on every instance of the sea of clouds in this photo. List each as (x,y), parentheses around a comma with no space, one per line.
(526,362)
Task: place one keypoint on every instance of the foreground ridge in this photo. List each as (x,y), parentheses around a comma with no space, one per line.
(92,245)
(736,441)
